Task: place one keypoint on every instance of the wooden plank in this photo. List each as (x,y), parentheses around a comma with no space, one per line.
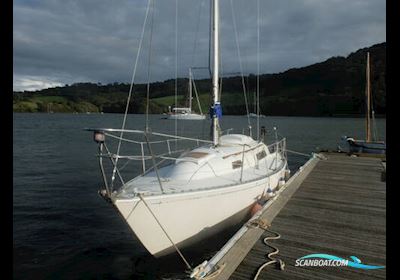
(339,209)
(237,253)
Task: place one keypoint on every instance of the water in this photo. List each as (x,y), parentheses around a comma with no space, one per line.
(62,229)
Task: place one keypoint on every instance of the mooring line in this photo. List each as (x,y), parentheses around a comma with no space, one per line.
(166,234)
(298,153)
(263,224)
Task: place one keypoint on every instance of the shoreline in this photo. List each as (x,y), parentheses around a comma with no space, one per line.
(274,116)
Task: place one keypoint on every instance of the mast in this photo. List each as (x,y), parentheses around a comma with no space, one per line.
(368,100)
(215,87)
(190,89)
(255,103)
(258,71)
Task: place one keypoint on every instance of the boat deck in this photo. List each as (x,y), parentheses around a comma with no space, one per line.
(339,209)
(207,168)
(149,183)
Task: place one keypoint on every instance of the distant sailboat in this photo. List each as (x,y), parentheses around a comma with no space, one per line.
(49,111)
(186,113)
(369,145)
(254,114)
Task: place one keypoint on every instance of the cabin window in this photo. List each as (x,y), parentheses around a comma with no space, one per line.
(236,164)
(261,155)
(196,154)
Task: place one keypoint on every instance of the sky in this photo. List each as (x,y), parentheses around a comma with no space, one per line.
(58,42)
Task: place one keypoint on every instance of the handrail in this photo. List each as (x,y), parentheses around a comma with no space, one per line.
(227,131)
(148,133)
(280,142)
(140,157)
(279,147)
(276,146)
(138,142)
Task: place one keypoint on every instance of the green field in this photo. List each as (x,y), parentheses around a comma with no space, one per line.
(53,104)
(170,101)
(167,100)
(49,99)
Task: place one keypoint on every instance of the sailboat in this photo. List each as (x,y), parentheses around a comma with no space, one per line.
(202,190)
(255,115)
(49,111)
(370,145)
(186,113)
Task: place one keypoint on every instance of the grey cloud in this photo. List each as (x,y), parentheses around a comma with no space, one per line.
(97,40)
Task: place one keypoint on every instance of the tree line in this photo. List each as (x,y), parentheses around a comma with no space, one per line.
(330,88)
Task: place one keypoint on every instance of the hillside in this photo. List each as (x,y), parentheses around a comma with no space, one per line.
(333,87)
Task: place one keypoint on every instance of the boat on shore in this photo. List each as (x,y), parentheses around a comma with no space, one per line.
(371,145)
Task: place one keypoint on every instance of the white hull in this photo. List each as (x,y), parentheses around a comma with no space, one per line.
(204,187)
(185,215)
(186,117)
(252,115)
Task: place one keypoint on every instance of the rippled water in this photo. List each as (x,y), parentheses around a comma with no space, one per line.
(63,230)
